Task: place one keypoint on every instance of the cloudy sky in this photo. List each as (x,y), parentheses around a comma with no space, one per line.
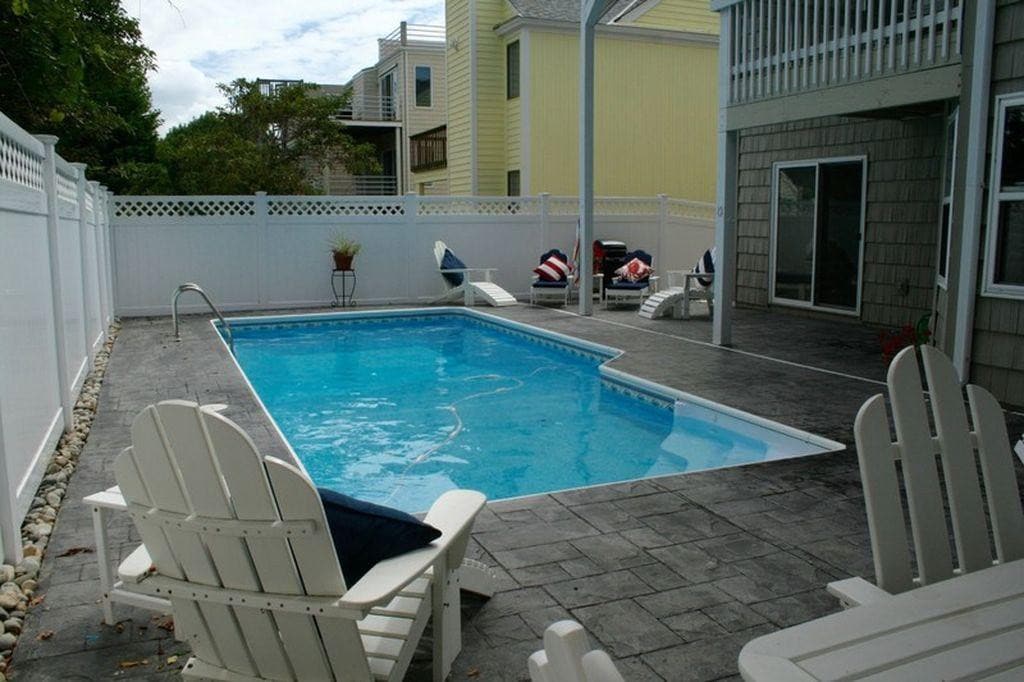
(200,43)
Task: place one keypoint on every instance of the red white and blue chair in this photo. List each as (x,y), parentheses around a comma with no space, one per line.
(622,290)
(552,278)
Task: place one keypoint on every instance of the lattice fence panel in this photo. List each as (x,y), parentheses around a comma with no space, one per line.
(680,208)
(299,206)
(67,188)
(20,165)
(478,206)
(173,207)
(563,206)
(626,206)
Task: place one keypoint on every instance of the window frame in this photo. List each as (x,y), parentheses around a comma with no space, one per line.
(773,232)
(508,71)
(996,197)
(946,226)
(514,172)
(430,86)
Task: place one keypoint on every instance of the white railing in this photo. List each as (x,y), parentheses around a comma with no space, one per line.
(419,35)
(371,108)
(780,47)
(279,244)
(364,185)
(55,308)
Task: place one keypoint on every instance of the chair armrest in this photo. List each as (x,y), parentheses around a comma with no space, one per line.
(453,514)
(110,498)
(856,592)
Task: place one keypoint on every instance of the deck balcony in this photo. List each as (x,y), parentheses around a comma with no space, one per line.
(410,35)
(372,109)
(793,59)
(363,185)
(429,150)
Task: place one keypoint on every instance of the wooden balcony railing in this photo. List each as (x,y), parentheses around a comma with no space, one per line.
(429,150)
(782,47)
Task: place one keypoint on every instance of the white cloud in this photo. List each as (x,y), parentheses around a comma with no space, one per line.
(200,43)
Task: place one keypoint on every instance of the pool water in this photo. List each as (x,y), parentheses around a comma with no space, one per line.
(396,410)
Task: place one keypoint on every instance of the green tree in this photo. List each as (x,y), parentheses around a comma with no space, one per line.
(276,141)
(77,69)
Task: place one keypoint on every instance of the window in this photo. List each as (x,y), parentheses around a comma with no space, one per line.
(513,183)
(1004,264)
(818,216)
(946,215)
(423,86)
(512,70)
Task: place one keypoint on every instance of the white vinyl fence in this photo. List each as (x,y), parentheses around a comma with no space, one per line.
(259,251)
(55,306)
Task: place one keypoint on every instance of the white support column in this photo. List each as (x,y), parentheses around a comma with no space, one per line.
(57,299)
(111,272)
(591,11)
(974,184)
(725,213)
(545,221)
(411,207)
(83,231)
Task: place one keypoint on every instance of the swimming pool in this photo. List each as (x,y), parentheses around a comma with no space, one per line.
(398,407)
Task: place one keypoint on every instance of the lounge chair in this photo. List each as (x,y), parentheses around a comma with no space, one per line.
(240,545)
(457,280)
(566,657)
(541,289)
(622,290)
(683,287)
(915,448)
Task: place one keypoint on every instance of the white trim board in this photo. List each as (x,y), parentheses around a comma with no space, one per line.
(991,289)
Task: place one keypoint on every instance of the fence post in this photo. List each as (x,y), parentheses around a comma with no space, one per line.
(261,209)
(10,527)
(545,223)
(662,225)
(57,299)
(411,209)
(111,272)
(83,231)
(102,263)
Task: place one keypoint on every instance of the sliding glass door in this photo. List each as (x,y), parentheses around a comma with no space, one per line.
(817,226)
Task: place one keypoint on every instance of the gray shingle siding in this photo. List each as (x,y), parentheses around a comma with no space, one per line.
(904,165)
(997,349)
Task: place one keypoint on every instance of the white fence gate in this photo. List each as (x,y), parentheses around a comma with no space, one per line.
(260,251)
(55,306)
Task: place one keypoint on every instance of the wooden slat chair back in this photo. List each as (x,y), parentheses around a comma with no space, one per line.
(240,545)
(958,452)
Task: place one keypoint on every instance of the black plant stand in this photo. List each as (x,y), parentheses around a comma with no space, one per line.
(348,287)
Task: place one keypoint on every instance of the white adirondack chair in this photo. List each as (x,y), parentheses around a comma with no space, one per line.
(240,546)
(920,455)
(469,290)
(566,657)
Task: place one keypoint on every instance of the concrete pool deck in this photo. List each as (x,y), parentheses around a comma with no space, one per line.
(671,576)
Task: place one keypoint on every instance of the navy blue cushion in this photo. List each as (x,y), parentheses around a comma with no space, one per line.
(541,284)
(365,533)
(451,262)
(642,284)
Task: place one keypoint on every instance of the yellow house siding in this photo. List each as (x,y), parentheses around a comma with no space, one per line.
(655,106)
(490,99)
(431,182)
(681,15)
(513,116)
(459,94)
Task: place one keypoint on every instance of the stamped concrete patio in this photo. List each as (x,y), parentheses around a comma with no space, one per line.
(671,576)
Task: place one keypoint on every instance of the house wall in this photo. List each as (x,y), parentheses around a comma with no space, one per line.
(681,15)
(904,166)
(997,350)
(655,106)
(491,155)
(459,93)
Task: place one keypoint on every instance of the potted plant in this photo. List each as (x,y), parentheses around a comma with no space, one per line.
(894,341)
(344,250)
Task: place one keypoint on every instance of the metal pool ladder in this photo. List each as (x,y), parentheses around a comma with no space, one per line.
(192,286)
